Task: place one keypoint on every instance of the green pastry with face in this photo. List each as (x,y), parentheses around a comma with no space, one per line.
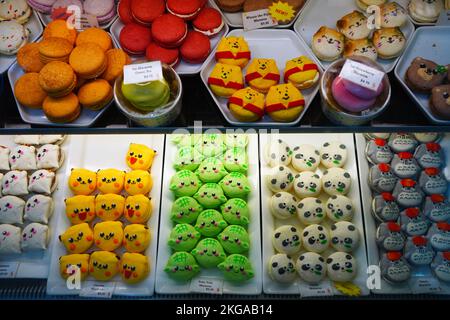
(212,144)
(183,237)
(185,183)
(234,239)
(186,140)
(210,196)
(235,211)
(182,266)
(210,223)
(211,170)
(235,185)
(236,140)
(185,210)
(209,253)
(237,268)
(187,158)
(236,160)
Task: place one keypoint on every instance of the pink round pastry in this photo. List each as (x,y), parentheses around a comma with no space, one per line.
(347,100)
(104,10)
(44,6)
(362,92)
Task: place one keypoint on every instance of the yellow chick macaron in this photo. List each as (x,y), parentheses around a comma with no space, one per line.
(70,264)
(225,80)
(136,238)
(284,102)
(138,182)
(138,209)
(108,235)
(233,51)
(110,180)
(103,265)
(80,209)
(140,157)
(302,72)
(109,207)
(77,238)
(262,74)
(82,181)
(247,105)
(134,267)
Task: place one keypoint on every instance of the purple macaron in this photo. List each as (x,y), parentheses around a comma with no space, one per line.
(59,8)
(44,6)
(104,10)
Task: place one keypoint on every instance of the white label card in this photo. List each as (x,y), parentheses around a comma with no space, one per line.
(362,75)
(86,21)
(319,290)
(143,72)
(8,270)
(421,285)
(207,285)
(93,289)
(258,19)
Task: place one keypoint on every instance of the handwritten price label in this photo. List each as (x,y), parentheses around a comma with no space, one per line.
(322,289)
(207,285)
(143,72)
(421,285)
(92,289)
(362,75)
(8,270)
(258,19)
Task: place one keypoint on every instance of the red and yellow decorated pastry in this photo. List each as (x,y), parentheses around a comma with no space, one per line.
(262,74)
(247,105)
(302,72)
(284,102)
(225,80)
(234,51)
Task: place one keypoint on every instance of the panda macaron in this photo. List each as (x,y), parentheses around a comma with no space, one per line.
(305,158)
(316,238)
(311,267)
(333,154)
(282,268)
(280,178)
(341,267)
(307,184)
(336,181)
(278,153)
(287,239)
(344,236)
(283,205)
(311,211)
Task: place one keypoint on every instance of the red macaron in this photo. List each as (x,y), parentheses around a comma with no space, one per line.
(168,56)
(146,11)
(169,31)
(209,22)
(135,38)
(195,48)
(124,11)
(186,9)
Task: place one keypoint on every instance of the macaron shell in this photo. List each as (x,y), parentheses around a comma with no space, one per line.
(29,59)
(135,38)
(98,8)
(145,11)
(209,22)
(29,92)
(155,52)
(187,9)
(58,29)
(62,110)
(347,100)
(124,11)
(196,47)
(169,30)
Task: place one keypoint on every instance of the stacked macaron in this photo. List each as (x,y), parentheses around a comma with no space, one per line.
(67,71)
(162,30)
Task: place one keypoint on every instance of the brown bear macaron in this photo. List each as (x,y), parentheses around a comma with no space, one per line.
(423,75)
(440,101)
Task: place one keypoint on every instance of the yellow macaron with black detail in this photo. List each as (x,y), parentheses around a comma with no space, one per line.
(284,102)
(134,267)
(136,238)
(109,207)
(108,235)
(110,180)
(138,182)
(103,265)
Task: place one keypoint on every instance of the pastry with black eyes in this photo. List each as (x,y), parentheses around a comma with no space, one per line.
(283,205)
(23,158)
(15,183)
(389,237)
(311,267)
(382,178)
(4,158)
(440,101)
(49,156)
(305,158)
(280,178)
(108,235)
(311,211)
(364,4)
(389,42)
(38,208)
(42,181)
(336,181)
(408,194)
(413,222)
(333,154)
(393,15)
(103,265)
(339,208)
(385,208)
(278,153)
(328,44)
(394,267)
(316,238)
(377,151)
(437,208)
(423,75)
(341,267)
(433,181)
(344,236)
(11,210)
(35,236)
(287,239)
(9,239)
(418,251)
(282,268)
(307,184)
(425,11)
(441,264)
(353,26)
(439,236)
(361,48)
(405,166)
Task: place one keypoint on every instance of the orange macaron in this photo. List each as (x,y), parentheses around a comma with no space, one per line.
(116,60)
(96,94)
(57,79)
(29,92)
(62,110)
(29,59)
(95,35)
(59,29)
(54,49)
(88,60)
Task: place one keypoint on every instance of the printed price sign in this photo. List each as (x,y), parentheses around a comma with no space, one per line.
(143,72)
(421,285)
(92,289)
(258,19)
(320,290)
(207,285)
(86,21)
(8,270)
(362,75)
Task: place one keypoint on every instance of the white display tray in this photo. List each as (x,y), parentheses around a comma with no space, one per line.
(370,224)
(326,13)
(95,152)
(166,285)
(36,29)
(431,43)
(37,264)
(270,223)
(183,68)
(281,45)
(234,19)
(36,116)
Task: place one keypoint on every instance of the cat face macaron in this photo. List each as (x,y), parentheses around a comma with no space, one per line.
(353,26)
(328,44)
(360,48)
(389,42)
(393,15)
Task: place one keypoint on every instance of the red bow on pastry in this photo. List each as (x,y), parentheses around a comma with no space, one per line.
(433,147)
(249,106)
(306,67)
(231,55)
(221,83)
(279,106)
(256,75)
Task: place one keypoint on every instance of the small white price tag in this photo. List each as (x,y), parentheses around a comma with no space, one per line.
(86,21)
(143,72)
(93,289)
(8,270)
(362,75)
(207,285)
(258,19)
(319,290)
(421,285)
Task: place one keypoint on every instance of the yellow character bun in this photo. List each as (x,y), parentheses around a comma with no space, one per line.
(78,238)
(302,72)
(108,235)
(80,209)
(109,207)
(225,80)
(233,51)
(138,209)
(138,182)
(284,102)
(140,157)
(134,267)
(103,265)
(247,105)
(110,180)
(136,238)
(68,265)
(262,74)
(82,181)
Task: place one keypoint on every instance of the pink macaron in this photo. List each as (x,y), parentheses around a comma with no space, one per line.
(104,10)
(347,100)
(362,92)
(44,6)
